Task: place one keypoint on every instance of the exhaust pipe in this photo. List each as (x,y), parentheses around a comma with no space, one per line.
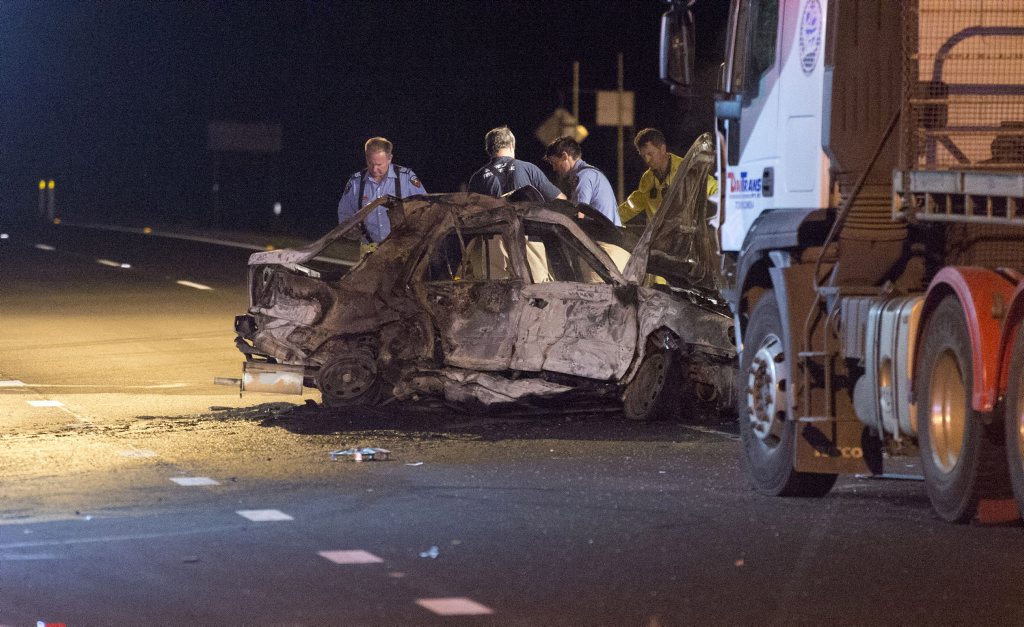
(263,377)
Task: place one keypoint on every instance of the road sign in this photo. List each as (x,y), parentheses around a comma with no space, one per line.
(608,108)
(559,124)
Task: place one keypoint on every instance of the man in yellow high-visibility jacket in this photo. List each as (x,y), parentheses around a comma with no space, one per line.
(662,166)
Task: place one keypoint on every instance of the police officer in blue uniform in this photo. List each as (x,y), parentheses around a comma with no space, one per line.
(504,173)
(589,185)
(380,178)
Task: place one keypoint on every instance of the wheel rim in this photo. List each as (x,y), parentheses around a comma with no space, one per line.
(766,391)
(947,412)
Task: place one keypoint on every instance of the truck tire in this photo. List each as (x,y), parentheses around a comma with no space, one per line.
(653,391)
(962,459)
(767,435)
(1013,419)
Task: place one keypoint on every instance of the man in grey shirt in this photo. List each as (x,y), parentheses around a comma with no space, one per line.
(504,173)
(589,185)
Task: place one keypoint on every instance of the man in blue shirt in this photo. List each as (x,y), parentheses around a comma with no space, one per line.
(380,178)
(504,173)
(589,185)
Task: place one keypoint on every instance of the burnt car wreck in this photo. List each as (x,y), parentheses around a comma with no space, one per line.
(482,300)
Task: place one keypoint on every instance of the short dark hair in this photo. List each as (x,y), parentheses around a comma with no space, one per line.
(564,144)
(649,136)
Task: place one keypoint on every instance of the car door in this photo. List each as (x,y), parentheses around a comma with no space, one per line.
(472,290)
(578,316)
(679,243)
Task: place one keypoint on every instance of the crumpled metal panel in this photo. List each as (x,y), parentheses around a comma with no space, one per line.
(576,329)
(478,321)
(460,386)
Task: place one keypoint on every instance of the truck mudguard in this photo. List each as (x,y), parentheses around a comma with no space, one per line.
(776,230)
(1011,323)
(984,295)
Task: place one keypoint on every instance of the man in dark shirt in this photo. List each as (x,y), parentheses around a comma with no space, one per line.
(504,173)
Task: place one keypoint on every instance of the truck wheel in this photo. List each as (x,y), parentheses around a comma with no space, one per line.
(1014,419)
(767,436)
(962,461)
(652,393)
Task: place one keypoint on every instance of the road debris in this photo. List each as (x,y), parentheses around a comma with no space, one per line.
(366,454)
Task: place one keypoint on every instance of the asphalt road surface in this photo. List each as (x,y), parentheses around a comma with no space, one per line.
(134,492)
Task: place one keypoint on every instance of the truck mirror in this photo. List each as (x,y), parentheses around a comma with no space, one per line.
(676,50)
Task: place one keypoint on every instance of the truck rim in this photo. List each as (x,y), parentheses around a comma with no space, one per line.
(947,407)
(766,392)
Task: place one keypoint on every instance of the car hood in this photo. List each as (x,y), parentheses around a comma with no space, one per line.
(679,242)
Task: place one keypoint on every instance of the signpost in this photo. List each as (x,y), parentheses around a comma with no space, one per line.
(615,108)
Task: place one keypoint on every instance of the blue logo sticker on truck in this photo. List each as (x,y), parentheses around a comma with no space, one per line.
(743,185)
(810,36)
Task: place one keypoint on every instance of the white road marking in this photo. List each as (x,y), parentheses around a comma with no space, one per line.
(193,481)
(45,403)
(109,263)
(263,515)
(4,235)
(196,238)
(24,557)
(454,606)
(198,286)
(141,452)
(350,557)
(13,383)
(103,539)
(45,247)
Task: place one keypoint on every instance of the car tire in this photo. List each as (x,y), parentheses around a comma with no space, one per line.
(350,380)
(962,461)
(653,392)
(767,434)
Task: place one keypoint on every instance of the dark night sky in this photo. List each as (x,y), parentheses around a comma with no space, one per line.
(112,98)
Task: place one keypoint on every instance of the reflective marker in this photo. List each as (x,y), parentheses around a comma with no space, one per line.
(454,606)
(263,515)
(45,403)
(193,481)
(198,286)
(4,235)
(350,557)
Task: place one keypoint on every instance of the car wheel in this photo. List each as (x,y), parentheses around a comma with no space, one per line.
(350,380)
(767,435)
(1013,419)
(652,393)
(962,463)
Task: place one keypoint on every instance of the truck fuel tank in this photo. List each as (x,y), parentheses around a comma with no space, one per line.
(882,396)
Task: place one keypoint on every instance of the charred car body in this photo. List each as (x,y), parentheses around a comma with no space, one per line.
(491,300)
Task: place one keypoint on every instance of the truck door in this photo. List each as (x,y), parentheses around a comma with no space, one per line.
(751,83)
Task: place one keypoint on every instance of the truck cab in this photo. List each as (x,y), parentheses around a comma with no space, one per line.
(871,154)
